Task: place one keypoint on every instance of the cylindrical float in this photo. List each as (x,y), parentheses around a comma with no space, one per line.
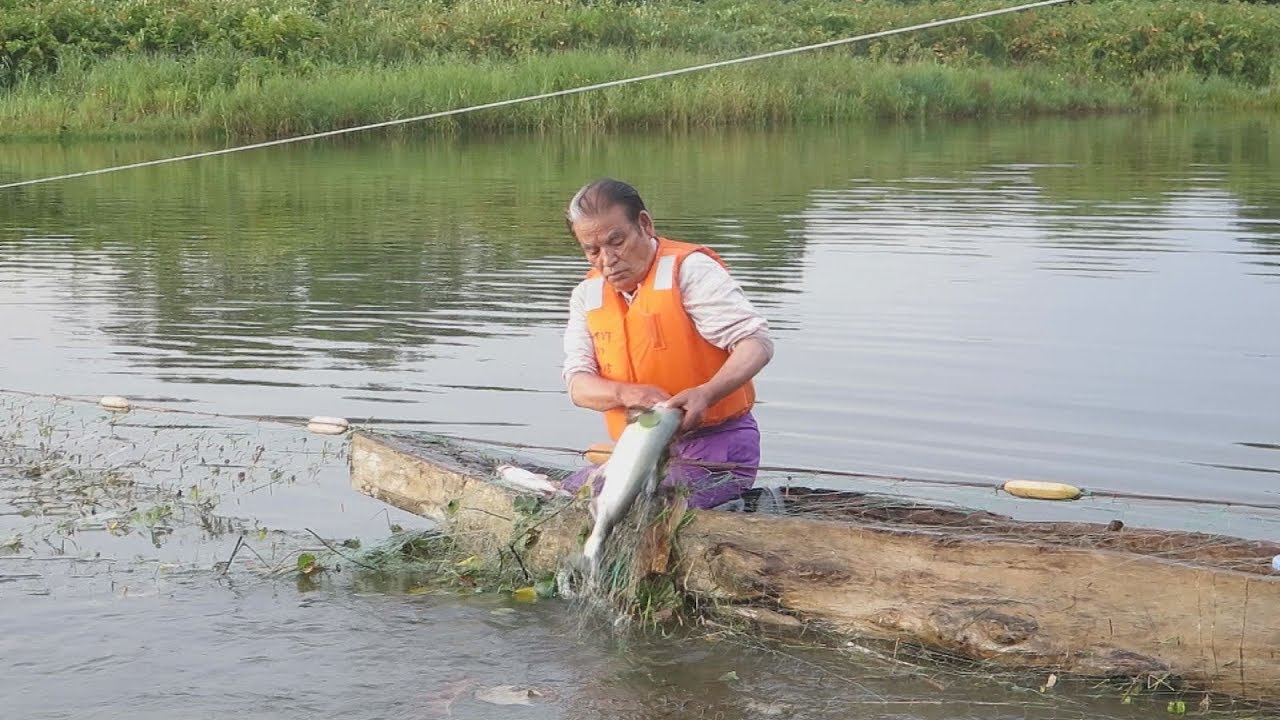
(1040,490)
(328,425)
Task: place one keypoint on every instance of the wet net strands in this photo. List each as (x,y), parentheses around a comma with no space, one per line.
(141,461)
(895,509)
(799,486)
(1087,600)
(94,488)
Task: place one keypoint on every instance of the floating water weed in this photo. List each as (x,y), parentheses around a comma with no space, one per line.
(78,476)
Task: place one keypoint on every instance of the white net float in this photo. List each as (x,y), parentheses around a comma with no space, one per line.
(114,402)
(328,425)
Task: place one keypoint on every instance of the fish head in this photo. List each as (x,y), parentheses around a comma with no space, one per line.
(657,415)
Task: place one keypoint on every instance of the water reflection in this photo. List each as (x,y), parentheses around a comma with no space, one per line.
(378,655)
(1087,301)
(142,615)
(1081,300)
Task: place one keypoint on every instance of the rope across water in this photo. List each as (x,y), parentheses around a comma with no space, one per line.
(579,90)
(543,96)
(370,424)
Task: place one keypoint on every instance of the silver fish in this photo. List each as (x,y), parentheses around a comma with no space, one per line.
(632,469)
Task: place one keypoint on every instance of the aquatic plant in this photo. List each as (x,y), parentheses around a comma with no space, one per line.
(76,476)
(67,463)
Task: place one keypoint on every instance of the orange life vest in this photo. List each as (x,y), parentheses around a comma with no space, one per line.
(653,341)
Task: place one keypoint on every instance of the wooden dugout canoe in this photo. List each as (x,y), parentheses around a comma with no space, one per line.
(1197,612)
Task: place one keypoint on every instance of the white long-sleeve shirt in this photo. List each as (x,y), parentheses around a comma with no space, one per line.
(715,302)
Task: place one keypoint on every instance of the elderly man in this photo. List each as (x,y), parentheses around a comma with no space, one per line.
(658,320)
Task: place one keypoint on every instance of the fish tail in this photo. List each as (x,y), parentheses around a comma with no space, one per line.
(591,551)
(571,579)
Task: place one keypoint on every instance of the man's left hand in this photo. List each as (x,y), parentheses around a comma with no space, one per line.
(694,402)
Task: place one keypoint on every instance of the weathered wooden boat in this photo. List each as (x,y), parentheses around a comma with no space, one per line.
(1187,611)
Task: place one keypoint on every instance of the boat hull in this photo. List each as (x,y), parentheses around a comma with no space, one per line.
(1187,610)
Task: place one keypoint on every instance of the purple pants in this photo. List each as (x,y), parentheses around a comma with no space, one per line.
(698,460)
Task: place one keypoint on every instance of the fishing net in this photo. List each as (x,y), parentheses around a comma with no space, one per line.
(150,493)
(1090,593)
(1207,532)
(147,496)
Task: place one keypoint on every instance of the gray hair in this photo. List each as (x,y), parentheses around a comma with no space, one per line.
(601,195)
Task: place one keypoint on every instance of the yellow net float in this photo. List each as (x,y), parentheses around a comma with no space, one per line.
(1040,490)
(598,453)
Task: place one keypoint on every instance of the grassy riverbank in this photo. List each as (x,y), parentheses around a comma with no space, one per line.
(276,67)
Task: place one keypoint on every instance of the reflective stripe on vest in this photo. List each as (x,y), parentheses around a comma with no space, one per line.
(654,341)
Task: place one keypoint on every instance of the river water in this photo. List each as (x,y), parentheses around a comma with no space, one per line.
(1093,301)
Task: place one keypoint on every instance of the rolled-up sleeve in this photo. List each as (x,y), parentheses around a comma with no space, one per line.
(719,308)
(579,350)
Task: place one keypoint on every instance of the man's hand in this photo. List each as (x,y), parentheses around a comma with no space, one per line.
(640,396)
(694,402)
(589,390)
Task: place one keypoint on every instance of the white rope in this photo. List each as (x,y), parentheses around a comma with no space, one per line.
(542,96)
(368,427)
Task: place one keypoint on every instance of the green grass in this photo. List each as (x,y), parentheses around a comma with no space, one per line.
(249,70)
(161,96)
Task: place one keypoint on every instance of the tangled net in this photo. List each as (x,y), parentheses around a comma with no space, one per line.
(70,473)
(971,629)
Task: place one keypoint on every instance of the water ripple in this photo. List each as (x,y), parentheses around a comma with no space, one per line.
(1002,304)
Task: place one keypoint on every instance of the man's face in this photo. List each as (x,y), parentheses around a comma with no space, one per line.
(620,249)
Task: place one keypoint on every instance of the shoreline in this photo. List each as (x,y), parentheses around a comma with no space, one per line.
(796,92)
(169,69)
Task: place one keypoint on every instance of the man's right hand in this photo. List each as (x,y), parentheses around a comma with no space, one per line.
(640,396)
